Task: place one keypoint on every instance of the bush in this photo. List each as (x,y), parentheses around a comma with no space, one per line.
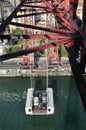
(63,51)
(17,31)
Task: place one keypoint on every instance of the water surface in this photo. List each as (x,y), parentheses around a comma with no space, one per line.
(69,112)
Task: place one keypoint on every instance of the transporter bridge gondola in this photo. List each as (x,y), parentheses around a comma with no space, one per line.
(70,31)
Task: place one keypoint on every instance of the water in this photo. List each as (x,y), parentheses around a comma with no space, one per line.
(69,112)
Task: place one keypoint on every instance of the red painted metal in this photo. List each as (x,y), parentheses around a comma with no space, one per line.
(54,10)
(31,14)
(31,44)
(6,22)
(24,60)
(35,6)
(39,28)
(40,36)
(69,25)
(34,49)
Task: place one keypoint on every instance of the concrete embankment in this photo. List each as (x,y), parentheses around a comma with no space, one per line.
(14,72)
(13,68)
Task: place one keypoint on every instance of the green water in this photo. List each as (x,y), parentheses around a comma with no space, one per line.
(69,112)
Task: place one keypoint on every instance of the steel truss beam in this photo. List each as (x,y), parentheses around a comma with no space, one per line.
(80,81)
(54,10)
(32,14)
(31,9)
(34,49)
(39,36)
(40,28)
(43,7)
(65,10)
(30,2)
(6,22)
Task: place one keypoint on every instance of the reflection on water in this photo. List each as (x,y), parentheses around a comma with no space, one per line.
(13,96)
(69,112)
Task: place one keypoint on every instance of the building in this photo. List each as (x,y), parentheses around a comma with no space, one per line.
(79,9)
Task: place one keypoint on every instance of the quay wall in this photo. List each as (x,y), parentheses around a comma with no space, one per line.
(34,72)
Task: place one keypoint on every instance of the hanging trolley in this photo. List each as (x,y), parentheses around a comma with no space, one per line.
(40,102)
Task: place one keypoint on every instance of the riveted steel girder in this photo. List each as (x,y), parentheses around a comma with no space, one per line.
(6,22)
(39,36)
(65,12)
(39,28)
(80,81)
(32,14)
(34,49)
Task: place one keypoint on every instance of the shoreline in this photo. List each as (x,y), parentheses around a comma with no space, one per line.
(18,72)
(14,69)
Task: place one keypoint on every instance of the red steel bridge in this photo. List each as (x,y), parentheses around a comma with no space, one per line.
(71,32)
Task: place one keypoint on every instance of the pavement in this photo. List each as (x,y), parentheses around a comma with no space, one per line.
(41,63)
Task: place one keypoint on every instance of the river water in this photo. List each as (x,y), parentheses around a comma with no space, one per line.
(69,112)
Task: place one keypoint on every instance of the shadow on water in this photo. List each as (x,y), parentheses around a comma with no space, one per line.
(67,116)
(54,86)
(71,114)
(39,85)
